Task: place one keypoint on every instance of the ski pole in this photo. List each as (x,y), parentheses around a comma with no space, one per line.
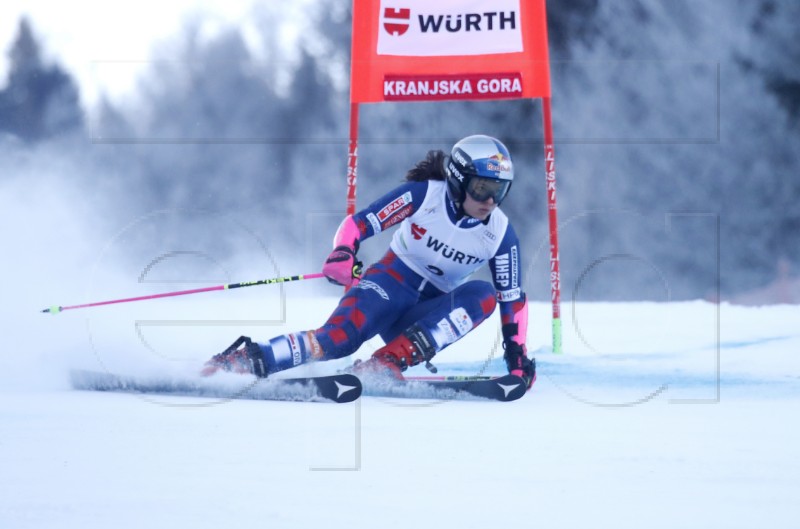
(450,378)
(57,309)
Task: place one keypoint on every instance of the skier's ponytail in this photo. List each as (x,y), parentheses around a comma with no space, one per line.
(431,168)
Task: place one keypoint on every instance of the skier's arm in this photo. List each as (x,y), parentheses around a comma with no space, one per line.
(342,266)
(390,209)
(507,276)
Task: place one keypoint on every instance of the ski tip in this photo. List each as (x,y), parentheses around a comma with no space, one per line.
(52,310)
(341,388)
(512,386)
(348,388)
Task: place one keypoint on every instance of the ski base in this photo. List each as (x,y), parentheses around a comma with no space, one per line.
(340,388)
(505,388)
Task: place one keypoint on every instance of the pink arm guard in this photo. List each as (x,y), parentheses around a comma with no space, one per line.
(521,319)
(347,234)
(514,316)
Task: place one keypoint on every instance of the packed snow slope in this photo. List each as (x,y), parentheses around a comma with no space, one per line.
(657,415)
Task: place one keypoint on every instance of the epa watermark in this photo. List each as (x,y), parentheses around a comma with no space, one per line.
(654,344)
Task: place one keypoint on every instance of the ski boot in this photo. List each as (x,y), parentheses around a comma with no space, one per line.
(409,349)
(243,357)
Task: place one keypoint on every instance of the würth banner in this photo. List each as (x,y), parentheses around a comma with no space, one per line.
(419,50)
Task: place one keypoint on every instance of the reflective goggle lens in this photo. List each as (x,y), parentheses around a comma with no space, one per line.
(482,189)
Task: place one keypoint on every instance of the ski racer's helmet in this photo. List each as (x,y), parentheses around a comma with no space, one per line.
(481,166)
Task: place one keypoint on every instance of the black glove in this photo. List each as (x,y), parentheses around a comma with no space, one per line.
(518,363)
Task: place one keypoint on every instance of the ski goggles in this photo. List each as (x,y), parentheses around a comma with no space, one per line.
(482,189)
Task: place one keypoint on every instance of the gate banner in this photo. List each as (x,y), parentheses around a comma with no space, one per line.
(419,50)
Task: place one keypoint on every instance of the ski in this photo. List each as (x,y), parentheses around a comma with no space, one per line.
(340,388)
(505,388)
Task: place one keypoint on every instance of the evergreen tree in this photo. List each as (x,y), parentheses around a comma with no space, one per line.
(775,52)
(40,101)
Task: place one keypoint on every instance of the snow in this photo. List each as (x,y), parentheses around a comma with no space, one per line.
(631,427)
(658,415)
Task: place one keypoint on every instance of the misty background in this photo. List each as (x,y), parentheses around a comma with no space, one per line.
(676,128)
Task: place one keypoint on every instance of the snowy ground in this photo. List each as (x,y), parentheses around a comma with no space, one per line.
(657,415)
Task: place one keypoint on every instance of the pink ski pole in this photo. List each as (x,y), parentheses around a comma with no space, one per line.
(56,309)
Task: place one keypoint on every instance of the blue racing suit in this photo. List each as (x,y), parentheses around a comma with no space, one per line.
(422,279)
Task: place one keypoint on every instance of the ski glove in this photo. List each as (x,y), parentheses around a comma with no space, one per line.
(342,266)
(518,363)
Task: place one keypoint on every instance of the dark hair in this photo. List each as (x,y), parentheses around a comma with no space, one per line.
(431,168)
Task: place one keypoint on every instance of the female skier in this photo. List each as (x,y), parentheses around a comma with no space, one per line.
(417,297)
